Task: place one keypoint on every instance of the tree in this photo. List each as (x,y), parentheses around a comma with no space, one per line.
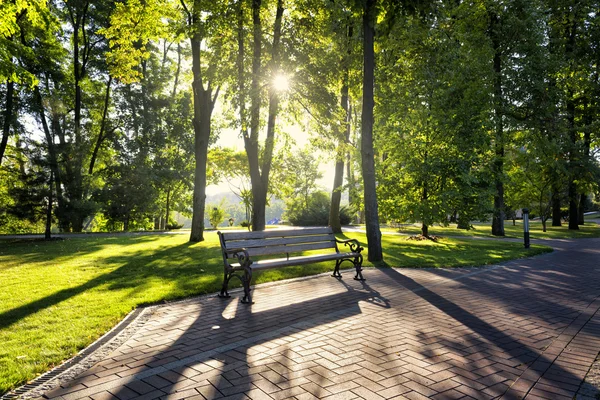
(433,143)
(216,215)
(259,164)
(368,155)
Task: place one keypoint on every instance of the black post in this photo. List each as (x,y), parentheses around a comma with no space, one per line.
(526,227)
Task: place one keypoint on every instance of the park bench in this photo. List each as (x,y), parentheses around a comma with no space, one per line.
(243,252)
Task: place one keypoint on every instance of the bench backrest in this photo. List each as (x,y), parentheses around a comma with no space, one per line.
(279,241)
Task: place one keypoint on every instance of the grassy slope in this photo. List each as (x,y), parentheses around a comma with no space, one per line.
(60,296)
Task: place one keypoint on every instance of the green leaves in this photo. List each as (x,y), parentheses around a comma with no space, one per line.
(132,25)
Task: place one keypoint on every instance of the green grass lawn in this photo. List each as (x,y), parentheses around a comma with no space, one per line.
(60,296)
(590,229)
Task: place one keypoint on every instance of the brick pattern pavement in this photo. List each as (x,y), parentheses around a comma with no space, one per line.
(525,329)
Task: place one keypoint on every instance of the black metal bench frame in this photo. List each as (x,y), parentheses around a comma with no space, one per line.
(240,250)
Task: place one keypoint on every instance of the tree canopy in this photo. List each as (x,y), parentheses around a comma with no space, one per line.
(117,113)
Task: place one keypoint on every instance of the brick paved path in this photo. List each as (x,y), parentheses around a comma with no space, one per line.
(528,328)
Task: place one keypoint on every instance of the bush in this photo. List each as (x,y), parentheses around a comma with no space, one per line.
(216,215)
(174,225)
(245,224)
(317,213)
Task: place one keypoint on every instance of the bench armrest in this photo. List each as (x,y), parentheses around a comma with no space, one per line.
(354,245)
(241,254)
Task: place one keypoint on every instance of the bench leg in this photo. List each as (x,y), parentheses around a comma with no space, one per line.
(224,294)
(358,266)
(247,299)
(336,271)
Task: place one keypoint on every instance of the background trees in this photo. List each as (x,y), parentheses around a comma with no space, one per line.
(109,110)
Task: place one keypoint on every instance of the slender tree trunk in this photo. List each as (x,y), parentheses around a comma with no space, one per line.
(50,142)
(272,115)
(8,112)
(368,154)
(80,56)
(424,199)
(587,141)
(168,208)
(573,161)
(258,178)
(581,209)
(498,163)
(102,127)
(19,156)
(251,142)
(201,136)
(544,224)
(177,71)
(338,179)
(48,230)
(571,36)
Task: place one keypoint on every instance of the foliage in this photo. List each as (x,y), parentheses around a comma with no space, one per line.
(216,215)
(313,211)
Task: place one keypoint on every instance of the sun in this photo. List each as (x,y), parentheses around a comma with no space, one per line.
(281,83)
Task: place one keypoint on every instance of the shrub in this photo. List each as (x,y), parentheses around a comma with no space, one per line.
(174,225)
(216,215)
(317,212)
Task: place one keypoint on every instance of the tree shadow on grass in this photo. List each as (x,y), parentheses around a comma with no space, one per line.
(177,264)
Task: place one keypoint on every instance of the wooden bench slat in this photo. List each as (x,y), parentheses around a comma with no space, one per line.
(247,244)
(301,260)
(273,233)
(264,251)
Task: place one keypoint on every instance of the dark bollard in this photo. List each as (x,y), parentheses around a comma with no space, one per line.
(526,227)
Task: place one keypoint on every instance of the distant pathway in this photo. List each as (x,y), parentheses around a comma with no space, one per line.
(527,328)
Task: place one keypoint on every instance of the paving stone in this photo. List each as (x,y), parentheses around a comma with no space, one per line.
(524,328)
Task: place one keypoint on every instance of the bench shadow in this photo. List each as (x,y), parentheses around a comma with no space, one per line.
(213,357)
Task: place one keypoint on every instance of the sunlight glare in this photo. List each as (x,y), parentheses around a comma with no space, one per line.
(281,83)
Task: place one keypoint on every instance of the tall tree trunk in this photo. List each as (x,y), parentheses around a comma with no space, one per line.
(102,127)
(8,112)
(338,179)
(80,57)
(573,164)
(251,142)
(242,99)
(203,107)
(272,115)
(556,217)
(368,153)
(259,177)
(587,142)
(498,163)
